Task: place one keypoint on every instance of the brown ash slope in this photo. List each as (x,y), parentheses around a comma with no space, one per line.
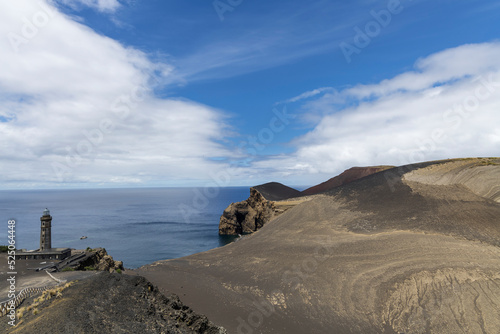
(348,176)
(274,191)
(414,249)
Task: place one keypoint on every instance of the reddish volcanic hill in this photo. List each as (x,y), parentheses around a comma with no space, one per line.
(348,176)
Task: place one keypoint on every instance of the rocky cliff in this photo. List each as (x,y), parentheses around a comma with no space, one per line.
(246,216)
(98,259)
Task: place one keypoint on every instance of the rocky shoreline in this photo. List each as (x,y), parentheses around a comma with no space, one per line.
(95,259)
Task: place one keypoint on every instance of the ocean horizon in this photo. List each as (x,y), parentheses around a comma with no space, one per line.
(135,225)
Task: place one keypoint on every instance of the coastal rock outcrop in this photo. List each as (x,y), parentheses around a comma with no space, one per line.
(99,259)
(246,216)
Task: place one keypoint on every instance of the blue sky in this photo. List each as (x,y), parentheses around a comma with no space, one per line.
(120,93)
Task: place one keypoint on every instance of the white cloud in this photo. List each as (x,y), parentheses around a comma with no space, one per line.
(65,86)
(440,68)
(447,107)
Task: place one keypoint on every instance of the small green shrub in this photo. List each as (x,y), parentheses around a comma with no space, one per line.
(119,271)
(68,269)
(89,268)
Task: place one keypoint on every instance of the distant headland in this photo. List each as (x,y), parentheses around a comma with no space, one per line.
(267,201)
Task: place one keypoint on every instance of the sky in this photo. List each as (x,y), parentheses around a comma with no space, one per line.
(154,93)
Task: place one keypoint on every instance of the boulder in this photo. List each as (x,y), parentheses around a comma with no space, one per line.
(247,216)
(100,260)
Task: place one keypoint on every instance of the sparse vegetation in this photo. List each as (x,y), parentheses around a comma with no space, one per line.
(46,295)
(68,269)
(488,162)
(89,249)
(119,271)
(4,249)
(89,268)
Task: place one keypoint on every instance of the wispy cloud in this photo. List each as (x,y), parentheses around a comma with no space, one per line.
(307,95)
(258,36)
(278,35)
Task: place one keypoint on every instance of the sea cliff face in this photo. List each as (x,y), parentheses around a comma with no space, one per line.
(247,216)
(97,259)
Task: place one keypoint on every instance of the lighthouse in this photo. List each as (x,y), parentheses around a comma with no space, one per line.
(45,231)
(46,252)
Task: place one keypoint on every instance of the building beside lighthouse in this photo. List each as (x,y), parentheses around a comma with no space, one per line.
(45,252)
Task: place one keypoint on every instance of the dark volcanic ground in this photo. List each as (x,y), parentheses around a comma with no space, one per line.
(274,191)
(112,303)
(348,176)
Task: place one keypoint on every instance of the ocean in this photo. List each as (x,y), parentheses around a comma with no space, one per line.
(137,226)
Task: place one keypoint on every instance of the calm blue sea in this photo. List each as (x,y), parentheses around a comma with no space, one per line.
(136,226)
